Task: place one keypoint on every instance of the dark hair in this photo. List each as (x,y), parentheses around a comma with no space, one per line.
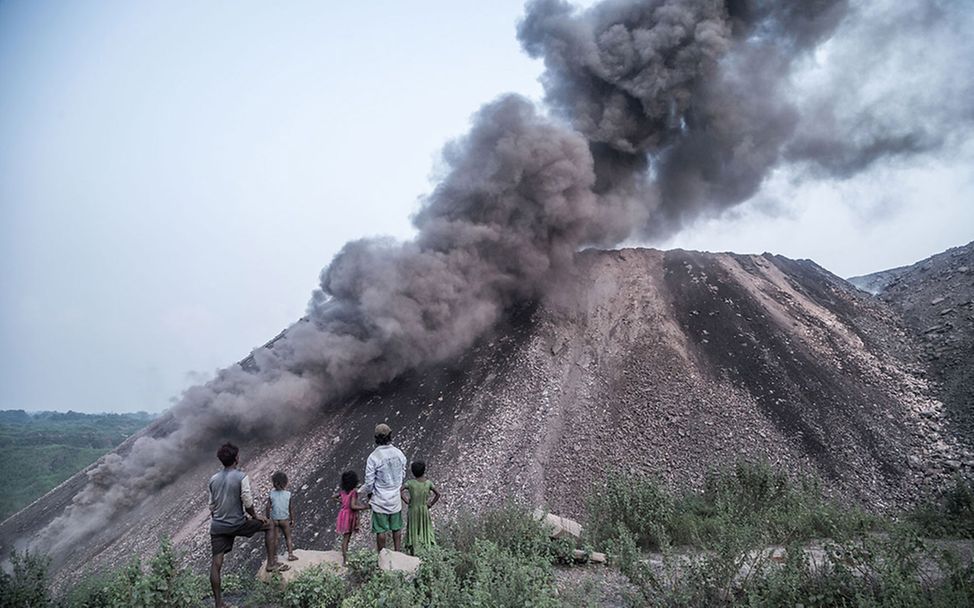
(279,479)
(419,468)
(349,481)
(383,439)
(227,454)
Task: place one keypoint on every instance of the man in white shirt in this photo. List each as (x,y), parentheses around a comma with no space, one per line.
(385,471)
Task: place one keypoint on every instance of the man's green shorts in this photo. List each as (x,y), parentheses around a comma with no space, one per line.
(386,522)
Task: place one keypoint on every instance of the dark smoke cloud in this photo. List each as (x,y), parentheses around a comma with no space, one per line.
(694,90)
(674,109)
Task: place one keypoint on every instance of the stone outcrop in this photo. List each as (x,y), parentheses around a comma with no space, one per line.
(558,526)
(306,560)
(394,561)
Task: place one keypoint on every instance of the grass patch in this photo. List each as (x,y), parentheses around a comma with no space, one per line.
(752,501)
(948,514)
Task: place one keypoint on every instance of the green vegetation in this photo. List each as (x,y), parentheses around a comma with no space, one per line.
(751,536)
(754,501)
(39,451)
(949,515)
(26,585)
(860,560)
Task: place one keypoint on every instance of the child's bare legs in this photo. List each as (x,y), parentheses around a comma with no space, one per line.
(286,528)
(345,538)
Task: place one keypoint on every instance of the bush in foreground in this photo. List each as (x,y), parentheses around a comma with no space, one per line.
(162,584)
(26,585)
(752,502)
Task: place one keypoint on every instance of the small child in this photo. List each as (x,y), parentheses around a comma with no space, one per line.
(281,513)
(416,494)
(347,521)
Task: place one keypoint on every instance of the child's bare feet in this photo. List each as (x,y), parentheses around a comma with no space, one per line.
(292,557)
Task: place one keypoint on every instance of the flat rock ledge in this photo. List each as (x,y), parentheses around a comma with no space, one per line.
(394,561)
(306,559)
(559,527)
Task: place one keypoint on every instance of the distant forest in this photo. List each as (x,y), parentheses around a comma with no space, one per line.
(39,450)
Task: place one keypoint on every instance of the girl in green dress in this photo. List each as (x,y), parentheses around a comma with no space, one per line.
(420,495)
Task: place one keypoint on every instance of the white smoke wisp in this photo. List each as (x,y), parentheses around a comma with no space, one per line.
(674,108)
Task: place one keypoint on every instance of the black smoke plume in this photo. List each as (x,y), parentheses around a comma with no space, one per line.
(663,110)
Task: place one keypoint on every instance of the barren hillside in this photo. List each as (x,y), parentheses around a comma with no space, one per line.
(935,298)
(666,363)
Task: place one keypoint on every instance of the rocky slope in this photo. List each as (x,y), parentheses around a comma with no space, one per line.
(935,298)
(665,363)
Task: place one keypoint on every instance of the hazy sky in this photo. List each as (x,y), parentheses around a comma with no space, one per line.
(174,175)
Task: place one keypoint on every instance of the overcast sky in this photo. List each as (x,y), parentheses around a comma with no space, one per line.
(174,175)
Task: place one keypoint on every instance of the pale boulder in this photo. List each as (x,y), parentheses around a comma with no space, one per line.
(559,527)
(394,561)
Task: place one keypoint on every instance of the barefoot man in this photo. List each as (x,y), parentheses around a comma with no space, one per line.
(230,503)
(384,473)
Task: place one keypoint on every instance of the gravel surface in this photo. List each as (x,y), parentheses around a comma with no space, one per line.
(935,298)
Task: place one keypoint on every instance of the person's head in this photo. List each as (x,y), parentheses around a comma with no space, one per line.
(228,454)
(279,479)
(349,481)
(383,434)
(418,468)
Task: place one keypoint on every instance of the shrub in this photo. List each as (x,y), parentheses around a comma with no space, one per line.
(437,580)
(501,579)
(26,585)
(511,527)
(633,503)
(362,565)
(164,584)
(384,590)
(749,503)
(316,587)
(951,513)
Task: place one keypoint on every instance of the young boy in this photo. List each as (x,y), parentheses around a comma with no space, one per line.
(280,510)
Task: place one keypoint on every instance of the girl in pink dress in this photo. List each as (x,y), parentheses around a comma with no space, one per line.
(347,521)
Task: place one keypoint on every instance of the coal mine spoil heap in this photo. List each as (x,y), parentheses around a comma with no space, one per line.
(664,363)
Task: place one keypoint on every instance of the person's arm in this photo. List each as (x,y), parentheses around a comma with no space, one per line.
(404,494)
(356,504)
(290,510)
(436,497)
(247,499)
(212,499)
(369,484)
(267,508)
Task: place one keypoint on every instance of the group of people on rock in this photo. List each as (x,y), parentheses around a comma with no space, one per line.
(384,491)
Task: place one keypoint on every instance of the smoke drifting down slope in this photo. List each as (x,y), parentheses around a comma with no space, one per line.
(676,109)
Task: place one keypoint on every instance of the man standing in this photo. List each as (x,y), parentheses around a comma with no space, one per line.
(230,503)
(384,474)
